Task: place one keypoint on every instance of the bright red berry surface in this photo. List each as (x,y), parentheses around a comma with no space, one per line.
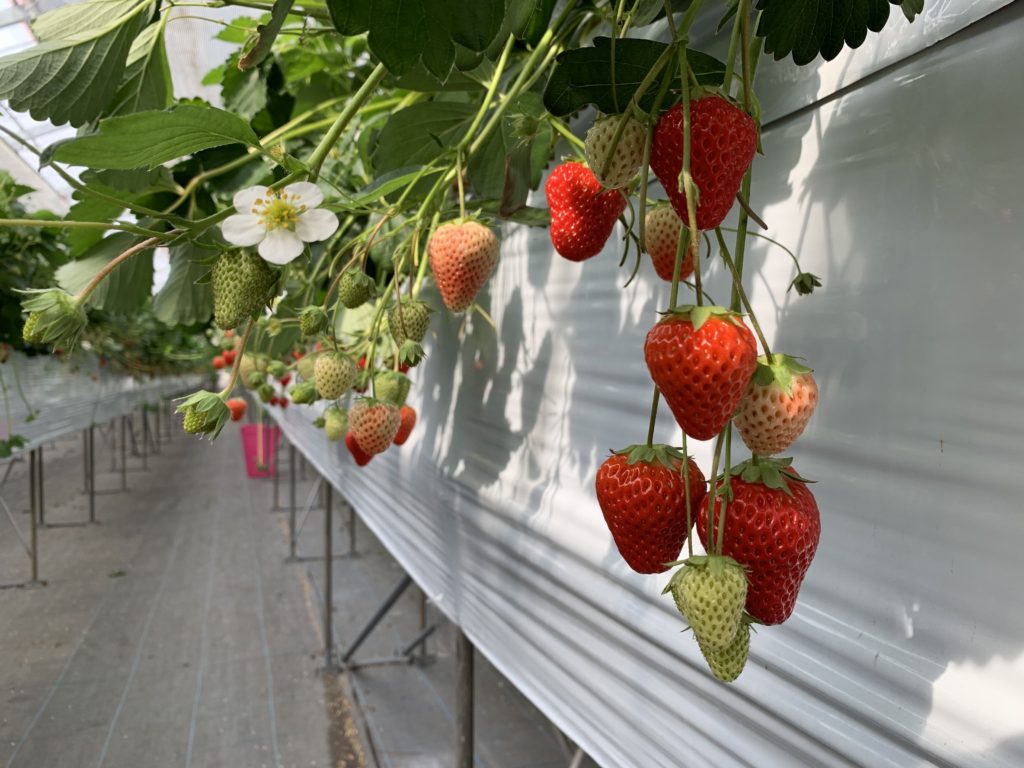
(702,374)
(723,140)
(644,505)
(775,536)
(583,214)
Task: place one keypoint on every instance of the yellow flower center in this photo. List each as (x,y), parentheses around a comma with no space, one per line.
(278,210)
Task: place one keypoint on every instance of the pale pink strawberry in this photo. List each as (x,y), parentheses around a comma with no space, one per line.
(777,406)
(662,230)
(373,424)
(462,256)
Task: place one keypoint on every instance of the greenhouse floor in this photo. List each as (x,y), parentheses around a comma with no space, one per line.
(175,633)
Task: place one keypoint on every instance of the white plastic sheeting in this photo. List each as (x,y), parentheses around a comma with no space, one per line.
(69,396)
(906,645)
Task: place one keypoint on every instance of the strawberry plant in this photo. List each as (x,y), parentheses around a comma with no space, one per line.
(360,177)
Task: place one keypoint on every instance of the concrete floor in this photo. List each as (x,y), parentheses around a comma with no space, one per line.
(174,633)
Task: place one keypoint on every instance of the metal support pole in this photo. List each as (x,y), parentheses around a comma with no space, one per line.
(85,461)
(291,501)
(328,583)
(156,432)
(39,481)
(463,700)
(124,452)
(351,530)
(389,601)
(277,474)
(423,622)
(145,436)
(32,478)
(92,473)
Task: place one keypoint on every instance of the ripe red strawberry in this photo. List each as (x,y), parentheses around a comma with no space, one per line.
(408,421)
(643,498)
(772,528)
(237,405)
(362,457)
(219,362)
(778,404)
(229,356)
(582,213)
(701,358)
(662,230)
(285,380)
(629,153)
(374,424)
(462,256)
(723,140)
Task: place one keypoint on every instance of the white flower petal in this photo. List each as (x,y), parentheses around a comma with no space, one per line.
(304,193)
(317,224)
(243,229)
(245,198)
(280,246)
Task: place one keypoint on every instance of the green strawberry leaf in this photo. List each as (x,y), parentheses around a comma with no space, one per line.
(584,76)
(806,28)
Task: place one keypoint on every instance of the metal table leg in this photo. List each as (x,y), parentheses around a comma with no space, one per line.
(328,582)
(463,701)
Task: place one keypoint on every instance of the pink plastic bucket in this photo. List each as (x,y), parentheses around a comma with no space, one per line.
(259,442)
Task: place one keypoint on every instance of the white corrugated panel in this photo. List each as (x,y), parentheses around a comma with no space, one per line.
(45,398)
(906,646)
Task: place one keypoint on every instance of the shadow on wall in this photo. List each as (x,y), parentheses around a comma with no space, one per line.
(909,213)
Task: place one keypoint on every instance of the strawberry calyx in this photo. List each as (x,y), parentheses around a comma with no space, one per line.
(715,563)
(650,454)
(700,315)
(772,473)
(779,370)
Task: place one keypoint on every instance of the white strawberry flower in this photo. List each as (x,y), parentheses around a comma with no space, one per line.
(279,221)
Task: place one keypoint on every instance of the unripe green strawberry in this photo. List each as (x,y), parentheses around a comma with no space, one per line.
(265,392)
(312,321)
(242,282)
(615,170)
(306,366)
(373,425)
(262,363)
(355,288)
(335,424)
(334,374)
(408,320)
(277,369)
(29,331)
(304,393)
(662,230)
(727,663)
(711,592)
(246,368)
(54,317)
(196,422)
(391,387)
(204,413)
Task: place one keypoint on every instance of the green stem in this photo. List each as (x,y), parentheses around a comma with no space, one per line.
(316,13)
(713,492)
(725,489)
(689,504)
(316,160)
(654,415)
(112,265)
(64,224)
(568,135)
(237,365)
(492,89)
(738,286)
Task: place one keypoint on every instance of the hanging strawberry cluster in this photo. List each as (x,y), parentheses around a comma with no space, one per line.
(758,522)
